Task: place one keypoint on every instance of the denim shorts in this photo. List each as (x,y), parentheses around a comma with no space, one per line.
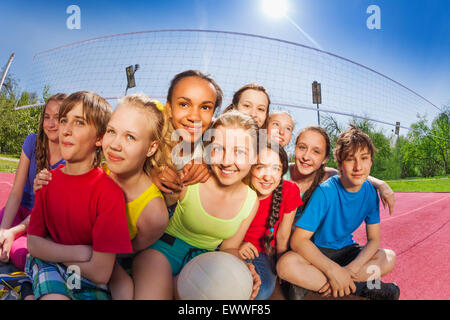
(264,269)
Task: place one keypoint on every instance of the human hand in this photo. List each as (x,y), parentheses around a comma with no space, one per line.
(195,172)
(341,281)
(248,251)
(6,240)
(387,196)
(325,291)
(256,280)
(353,270)
(167,180)
(42,179)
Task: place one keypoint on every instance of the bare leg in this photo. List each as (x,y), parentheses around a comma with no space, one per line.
(152,276)
(297,270)
(121,285)
(54,296)
(381,264)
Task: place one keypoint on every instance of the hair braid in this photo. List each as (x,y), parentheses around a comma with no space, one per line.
(274,216)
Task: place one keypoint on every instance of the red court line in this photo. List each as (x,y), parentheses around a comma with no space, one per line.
(395,216)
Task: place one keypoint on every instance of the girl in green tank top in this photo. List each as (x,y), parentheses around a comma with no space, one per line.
(214,214)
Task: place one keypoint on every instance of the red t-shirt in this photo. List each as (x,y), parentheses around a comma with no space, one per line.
(87,209)
(258,228)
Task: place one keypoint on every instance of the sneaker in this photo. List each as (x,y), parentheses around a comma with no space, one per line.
(387,291)
(296,293)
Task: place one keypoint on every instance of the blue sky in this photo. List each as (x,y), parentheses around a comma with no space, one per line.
(412,47)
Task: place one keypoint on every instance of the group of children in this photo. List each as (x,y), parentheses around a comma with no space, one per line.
(134,194)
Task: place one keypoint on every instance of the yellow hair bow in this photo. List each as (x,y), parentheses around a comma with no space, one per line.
(159,105)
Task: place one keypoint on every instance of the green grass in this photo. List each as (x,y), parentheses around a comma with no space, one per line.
(5,155)
(8,166)
(435,184)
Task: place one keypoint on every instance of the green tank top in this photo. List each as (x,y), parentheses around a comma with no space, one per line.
(192,224)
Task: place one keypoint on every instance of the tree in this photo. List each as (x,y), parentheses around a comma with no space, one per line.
(15,125)
(385,162)
(440,135)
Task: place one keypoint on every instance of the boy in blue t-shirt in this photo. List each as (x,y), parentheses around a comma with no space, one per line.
(324,257)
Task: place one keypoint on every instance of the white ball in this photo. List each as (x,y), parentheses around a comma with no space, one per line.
(215,276)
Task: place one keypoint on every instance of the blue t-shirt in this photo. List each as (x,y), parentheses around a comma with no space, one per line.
(333,213)
(29,148)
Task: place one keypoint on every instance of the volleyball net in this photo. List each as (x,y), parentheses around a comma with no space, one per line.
(286,69)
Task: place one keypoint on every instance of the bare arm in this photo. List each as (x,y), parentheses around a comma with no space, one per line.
(284,232)
(340,278)
(98,269)
(387,196)
(8,234)
(231,245)
(15,196)
(151,224)
(372,246)
(301,243)
(48,250)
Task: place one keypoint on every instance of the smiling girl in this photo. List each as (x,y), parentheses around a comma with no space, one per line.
(268,235)
(131,143)
(253,100)
(312,150)
(280,127)
(38,152)
(211,214)
(192,100)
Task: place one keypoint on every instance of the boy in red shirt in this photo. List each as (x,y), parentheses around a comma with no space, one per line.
(78,223)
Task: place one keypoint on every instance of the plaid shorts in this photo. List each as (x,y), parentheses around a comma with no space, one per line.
(51,278)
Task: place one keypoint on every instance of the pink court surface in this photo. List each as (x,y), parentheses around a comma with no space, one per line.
(418,232)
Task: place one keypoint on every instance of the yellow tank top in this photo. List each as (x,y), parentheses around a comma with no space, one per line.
(134,208)
(192,224)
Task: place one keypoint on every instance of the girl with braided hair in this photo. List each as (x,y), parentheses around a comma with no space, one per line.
(39,151)
(268,235)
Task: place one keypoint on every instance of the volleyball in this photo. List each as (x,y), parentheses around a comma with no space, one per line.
(215,276)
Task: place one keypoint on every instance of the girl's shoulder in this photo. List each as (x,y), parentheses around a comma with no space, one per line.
(31,137)
(290,185)
(29,144)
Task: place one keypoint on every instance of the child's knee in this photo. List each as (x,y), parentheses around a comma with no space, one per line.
(390,259)
(284,264)
(121,284)
(18,253)
(387,259)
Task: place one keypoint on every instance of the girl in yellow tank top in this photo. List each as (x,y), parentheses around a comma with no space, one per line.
(131,148)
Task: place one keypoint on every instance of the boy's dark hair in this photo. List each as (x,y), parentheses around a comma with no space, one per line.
(351,140)
(96,110)
(198,74)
